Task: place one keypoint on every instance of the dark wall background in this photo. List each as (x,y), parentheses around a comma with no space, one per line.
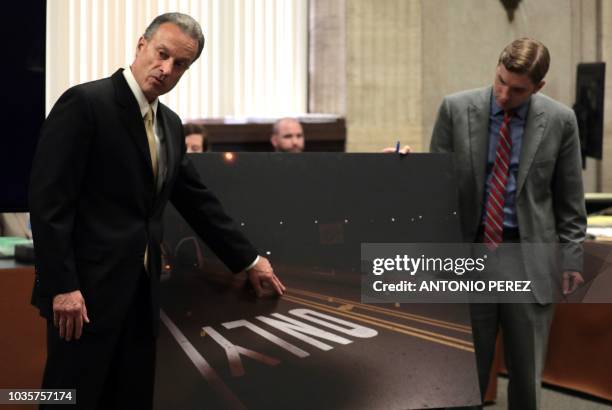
(23,97)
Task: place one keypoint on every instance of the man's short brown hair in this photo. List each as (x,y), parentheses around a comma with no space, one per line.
(526,56)
(191,128)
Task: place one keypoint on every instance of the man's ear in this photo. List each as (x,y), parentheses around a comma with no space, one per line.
(539,86)
(273,141)
(141,43)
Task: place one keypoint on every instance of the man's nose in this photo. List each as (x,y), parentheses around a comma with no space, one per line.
(504,94)
(166,67)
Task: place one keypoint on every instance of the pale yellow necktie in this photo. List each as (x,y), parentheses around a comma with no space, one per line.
(148,120)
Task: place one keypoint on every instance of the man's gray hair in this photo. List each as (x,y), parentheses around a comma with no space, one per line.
(186,23)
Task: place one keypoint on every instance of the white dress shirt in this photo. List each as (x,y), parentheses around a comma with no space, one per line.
(160,140)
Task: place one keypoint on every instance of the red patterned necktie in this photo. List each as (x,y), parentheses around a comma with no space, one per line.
(494,219)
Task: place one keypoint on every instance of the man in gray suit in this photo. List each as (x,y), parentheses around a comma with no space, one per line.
(518,163)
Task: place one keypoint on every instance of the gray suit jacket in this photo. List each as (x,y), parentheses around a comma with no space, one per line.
(549,196)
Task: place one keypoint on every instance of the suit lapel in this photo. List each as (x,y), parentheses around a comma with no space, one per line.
(532,137)
(478,117)
(170,145)
(132,118)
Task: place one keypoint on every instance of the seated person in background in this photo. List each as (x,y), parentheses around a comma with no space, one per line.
(15,224)
(287,135)
(195,138)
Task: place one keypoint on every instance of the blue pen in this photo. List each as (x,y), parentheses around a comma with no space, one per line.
(397,146)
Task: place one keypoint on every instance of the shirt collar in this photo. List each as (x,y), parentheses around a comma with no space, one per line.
(137,91)
(520,111)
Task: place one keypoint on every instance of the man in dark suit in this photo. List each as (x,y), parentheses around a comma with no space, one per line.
(519,178)
(109,158)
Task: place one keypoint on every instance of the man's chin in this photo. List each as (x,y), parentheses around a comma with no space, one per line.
(503,106)
(153,92)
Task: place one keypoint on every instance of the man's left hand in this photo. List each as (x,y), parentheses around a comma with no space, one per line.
(571,281)
(261,274)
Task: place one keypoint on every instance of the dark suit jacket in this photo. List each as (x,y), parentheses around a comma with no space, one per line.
(94,206)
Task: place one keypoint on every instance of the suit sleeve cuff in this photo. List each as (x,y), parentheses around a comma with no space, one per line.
(252,263)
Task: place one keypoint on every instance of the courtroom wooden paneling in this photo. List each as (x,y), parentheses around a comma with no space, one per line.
(22,338)
(579,349)
(255,136)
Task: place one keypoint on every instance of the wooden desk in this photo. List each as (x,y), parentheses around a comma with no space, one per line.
(22,338)
(580,349)
(580,344)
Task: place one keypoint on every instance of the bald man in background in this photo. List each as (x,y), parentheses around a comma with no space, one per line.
(287,135)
